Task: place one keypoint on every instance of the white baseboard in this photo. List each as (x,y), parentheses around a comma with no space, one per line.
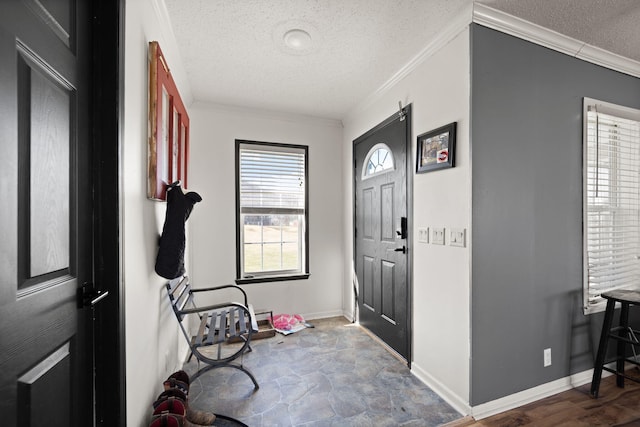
(531,395)
(324,314)
(505,403)
(458,403)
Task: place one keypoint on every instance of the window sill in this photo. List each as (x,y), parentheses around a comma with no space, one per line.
(263,279)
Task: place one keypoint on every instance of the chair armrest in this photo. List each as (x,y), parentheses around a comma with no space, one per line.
(216,288)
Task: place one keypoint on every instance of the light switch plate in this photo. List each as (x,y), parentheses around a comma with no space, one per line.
(457,237)
(437,236)
(423,234)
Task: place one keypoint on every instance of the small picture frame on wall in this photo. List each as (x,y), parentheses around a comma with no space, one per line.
(436,149)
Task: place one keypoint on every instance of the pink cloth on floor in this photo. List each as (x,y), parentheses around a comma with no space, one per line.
(286,321)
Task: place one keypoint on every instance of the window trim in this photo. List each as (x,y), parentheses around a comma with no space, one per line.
(617,111)
(280,275)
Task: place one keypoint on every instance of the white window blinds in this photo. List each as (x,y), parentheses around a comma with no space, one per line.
(271,180)
(611,214)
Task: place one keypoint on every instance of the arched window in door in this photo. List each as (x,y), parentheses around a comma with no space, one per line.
(379,160)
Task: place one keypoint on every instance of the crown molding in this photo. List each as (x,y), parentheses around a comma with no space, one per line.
(517,27)
(508,24)
(610,60)
(460,23)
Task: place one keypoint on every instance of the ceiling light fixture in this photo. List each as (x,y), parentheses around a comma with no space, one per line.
(296,37)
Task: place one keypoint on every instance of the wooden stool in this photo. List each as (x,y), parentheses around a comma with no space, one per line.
(625,335)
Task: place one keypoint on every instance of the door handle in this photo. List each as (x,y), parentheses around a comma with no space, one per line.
(97,297)
(403,249)
(87,296)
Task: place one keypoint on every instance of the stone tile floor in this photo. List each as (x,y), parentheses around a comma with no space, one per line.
(332,375)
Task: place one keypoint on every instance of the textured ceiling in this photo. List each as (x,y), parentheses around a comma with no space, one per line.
(232,54)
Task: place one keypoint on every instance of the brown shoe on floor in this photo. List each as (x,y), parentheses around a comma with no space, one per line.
(200,417)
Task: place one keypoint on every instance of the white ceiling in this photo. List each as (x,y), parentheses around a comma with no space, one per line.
(232,52)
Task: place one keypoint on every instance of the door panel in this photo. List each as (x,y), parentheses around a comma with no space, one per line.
(388,303)
(367,283)
(46,149)
(56,14)
(367,213)
(386,215)
(381,259)
(35,407)
(46,244)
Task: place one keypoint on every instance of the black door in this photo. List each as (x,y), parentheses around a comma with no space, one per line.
(46,213)
(381,234)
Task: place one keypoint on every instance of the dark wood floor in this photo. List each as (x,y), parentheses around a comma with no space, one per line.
(614,407)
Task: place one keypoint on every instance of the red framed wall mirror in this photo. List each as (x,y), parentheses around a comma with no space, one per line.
(168,128)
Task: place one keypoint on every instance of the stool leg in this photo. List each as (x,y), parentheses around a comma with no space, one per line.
(602,348)
(621,347)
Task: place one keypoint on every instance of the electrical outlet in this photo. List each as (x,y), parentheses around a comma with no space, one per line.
(457,237)
(423,234)
(547,357)
(437,236)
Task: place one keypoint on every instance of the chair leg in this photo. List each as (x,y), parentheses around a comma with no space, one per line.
(621,346)
(602,348)
(249,374)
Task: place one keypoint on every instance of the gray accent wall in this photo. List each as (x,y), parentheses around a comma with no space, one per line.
(526,157)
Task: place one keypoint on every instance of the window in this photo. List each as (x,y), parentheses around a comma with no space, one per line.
(611,213)
(378,160)
(272,217)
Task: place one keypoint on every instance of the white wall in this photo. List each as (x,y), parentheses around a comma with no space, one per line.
(153,348)
(439,91)
(214,130)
